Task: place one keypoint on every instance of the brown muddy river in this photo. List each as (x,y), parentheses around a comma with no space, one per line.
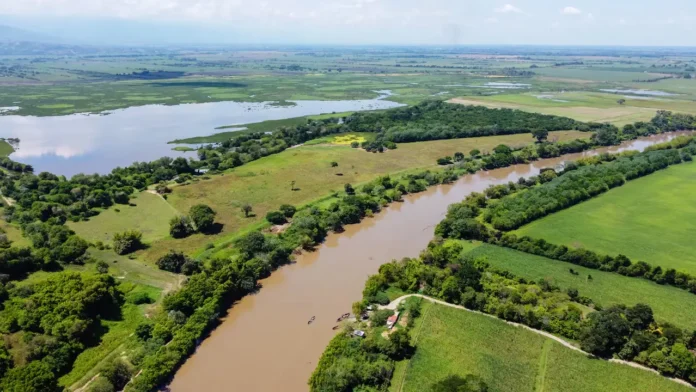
(265,343)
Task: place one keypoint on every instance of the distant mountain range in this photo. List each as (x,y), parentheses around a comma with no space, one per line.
(14,34)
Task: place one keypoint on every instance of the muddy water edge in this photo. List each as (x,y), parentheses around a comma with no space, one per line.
(265,342)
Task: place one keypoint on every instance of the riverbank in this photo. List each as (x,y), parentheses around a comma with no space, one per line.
(324,283)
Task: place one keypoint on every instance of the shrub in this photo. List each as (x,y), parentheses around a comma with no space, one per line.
(162,189)
(139,298)
(102,267)
(380,317)
(180,227)
(127,242)
(177,262)
(117,372)
(202,216)
(288,210)
(276,218)
(101,384)
(381,298)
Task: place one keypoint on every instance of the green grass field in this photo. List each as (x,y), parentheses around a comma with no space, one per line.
(5,149)
(585,106)
(150,215)
(511,359)
(265,183)
(606,288)
(650,219)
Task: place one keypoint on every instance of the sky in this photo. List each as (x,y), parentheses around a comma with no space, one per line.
(417,22)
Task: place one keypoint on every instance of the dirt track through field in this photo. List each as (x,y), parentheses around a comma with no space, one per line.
(395,304)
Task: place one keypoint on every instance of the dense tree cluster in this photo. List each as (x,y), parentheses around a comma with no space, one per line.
(350,364)
(366,364)
(201,218)
(577,185)
(605,135)
(178,262)
(442,272)
(432,120)
(11,165)
(252,146)
(630,333)
(55,320)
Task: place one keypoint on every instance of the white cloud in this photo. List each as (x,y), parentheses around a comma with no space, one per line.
(571,11)
(508,8)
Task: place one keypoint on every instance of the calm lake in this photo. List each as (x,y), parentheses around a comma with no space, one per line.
(83,143)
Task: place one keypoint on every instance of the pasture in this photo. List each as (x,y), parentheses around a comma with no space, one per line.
(649,219)
(5,149)
(266,183)
(606,288)
(149,213)
(509,359)
(585,106)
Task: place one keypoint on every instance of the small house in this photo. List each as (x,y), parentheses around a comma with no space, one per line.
(391,321)
(359,333)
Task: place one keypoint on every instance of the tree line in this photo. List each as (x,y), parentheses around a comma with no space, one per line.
(577,182)
(590,259)
(629,333)
(606,135)
(192,311)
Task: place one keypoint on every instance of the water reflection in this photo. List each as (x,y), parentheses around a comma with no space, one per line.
(98,143)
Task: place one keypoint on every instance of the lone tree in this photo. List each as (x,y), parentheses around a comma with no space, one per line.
(102,267)
(180,227)
(621,101)
(276,217)
(202,216)
(540,134)
(127,242)
(349,189)
(246,209)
